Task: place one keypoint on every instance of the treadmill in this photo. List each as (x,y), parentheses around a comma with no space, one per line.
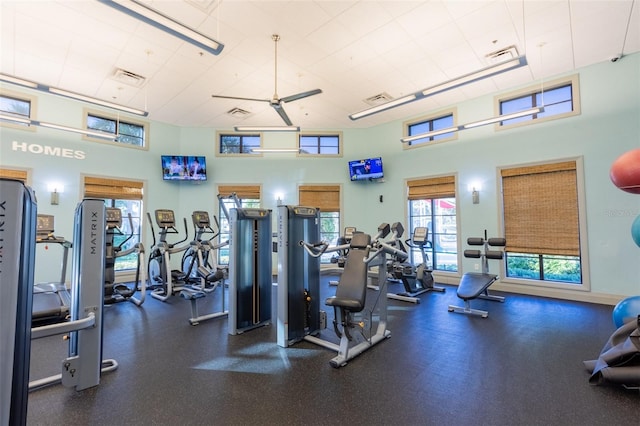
(51,300)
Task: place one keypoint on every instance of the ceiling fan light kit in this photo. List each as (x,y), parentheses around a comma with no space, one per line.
(276,102)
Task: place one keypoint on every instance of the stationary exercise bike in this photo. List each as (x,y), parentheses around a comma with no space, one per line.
(416,280)
(120,292)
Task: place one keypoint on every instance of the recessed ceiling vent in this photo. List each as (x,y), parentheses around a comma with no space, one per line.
(128,77)
(501,55)
(238,112)
(378,99)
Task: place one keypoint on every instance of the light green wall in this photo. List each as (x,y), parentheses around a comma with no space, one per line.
(608,126)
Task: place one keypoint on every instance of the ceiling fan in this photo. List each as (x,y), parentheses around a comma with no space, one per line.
(276,102)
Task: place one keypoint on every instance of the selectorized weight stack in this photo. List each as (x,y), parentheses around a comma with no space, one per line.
(18,235)
(298,275)
(250,282)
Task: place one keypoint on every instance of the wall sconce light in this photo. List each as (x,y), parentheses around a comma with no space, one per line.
(55,190)
(279,196)
(475,196)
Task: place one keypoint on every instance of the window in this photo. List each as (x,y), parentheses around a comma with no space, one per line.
(542,226)
(320,144)
(327,199)
(430,125)
(15,107)
(248,196)
(432,204)
(19,108)
(127,196)
(128,133)
(18,174)
(231,144)
(559,99)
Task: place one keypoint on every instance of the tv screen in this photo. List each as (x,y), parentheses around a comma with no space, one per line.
(184,167)
(366,169)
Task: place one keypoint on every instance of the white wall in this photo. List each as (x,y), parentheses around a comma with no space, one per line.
(608,126)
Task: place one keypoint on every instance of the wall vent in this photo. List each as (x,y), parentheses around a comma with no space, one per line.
(378,99)
(128,77)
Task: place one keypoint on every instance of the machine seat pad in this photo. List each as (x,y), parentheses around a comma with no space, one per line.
(352,305)
(352,288)
(189,295)
(473,284)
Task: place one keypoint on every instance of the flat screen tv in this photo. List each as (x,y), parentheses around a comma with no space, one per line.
(366,169)
(184,167)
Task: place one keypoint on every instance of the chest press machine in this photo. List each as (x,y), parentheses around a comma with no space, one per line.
(475,285)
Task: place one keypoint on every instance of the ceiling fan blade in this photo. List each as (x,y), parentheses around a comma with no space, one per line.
(280,110)
(238,98)
(295,97)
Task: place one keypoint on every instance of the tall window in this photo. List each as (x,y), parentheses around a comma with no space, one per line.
(248,197)
(229,144)
(327,199)
(320,144)
(432,204)
(127,133)
(127,196)
(431,125)
(559,99)
(542,223)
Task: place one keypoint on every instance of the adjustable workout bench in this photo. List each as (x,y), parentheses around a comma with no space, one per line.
(476,285)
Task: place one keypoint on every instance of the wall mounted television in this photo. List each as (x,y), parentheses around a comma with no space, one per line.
(366,169)
(184,167)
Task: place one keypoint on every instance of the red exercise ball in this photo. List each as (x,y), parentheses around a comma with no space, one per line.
(625,171)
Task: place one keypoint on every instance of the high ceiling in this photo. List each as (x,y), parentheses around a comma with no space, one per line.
(352,50)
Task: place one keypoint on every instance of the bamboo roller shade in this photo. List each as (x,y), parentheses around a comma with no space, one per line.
(324,197)
(112,188)
(14,174)
(430,188)
(244,192)
(541,209)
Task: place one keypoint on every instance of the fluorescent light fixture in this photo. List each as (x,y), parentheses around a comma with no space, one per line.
(483,73)
(267,128)
(84,98)
(262,150)
(92,133)
(68,94)
(385,106)
(19,81)
(430,134)
(144,13)
(505,117)
(18,120)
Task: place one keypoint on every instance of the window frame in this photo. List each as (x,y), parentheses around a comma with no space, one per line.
(221,134)
(572,80)
(118,119)
(320,135)
(453,112)
(33,103)
(585,285)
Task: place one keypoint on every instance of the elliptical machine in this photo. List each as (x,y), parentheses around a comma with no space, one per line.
(163,280)
(198,262)
(416,280)
(120,292)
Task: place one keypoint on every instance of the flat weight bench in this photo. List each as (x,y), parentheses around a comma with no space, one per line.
(474,285)
(352,288)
